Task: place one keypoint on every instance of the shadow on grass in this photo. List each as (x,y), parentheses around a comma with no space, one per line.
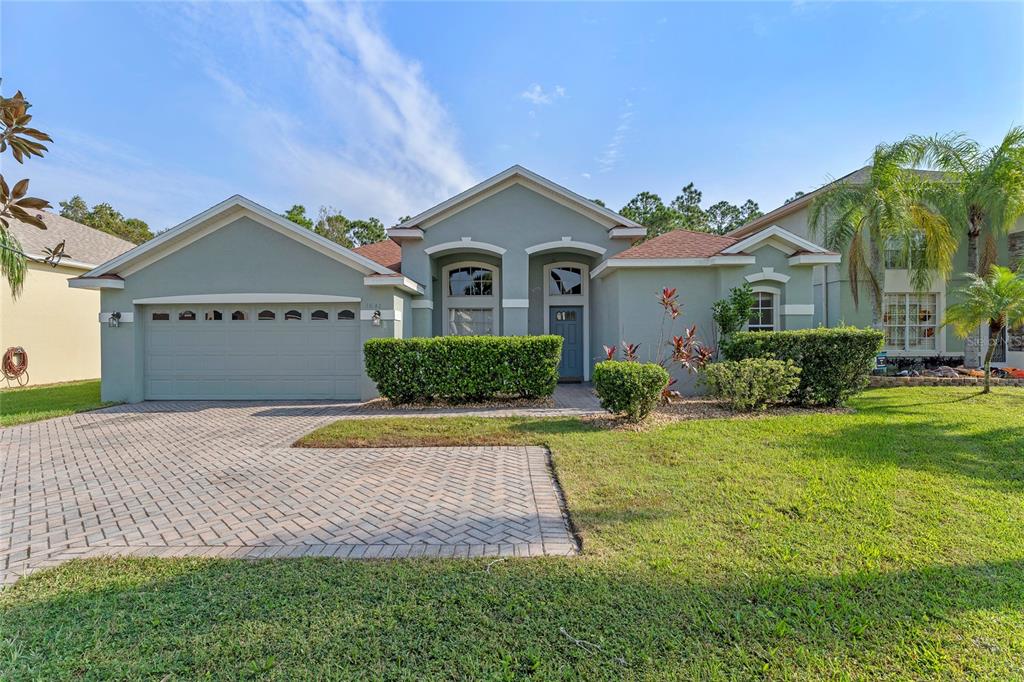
(914,436)
(517,618)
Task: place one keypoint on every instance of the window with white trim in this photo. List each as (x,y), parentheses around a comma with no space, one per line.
(470,321)
(910,321)
(565,281)
(470,281)
(900,255)
(470,299)
(762,314)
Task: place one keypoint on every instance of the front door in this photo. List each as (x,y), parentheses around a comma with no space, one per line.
(567,322)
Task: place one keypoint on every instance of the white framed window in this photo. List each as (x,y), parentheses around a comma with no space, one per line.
(910,321)
(213,315)
(899,257)
(470,280)
(470,322)
(565,280)
(764,313)
(470,293)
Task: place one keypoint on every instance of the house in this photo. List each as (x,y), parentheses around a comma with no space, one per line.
(241,303)
(54,324)
(912,320)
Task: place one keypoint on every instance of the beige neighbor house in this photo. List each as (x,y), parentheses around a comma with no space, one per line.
(58,326)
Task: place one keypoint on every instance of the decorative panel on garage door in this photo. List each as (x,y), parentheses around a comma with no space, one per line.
(239,352)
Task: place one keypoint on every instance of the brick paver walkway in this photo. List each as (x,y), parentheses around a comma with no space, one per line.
(219,479)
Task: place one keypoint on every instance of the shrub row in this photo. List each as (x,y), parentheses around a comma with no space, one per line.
(633,388)
(834,362)
(752,383)
(464,368)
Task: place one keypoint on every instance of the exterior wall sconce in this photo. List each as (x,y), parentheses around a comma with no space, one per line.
(114,319)
(375,320)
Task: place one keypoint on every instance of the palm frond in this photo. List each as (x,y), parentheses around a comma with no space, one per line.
(12,262)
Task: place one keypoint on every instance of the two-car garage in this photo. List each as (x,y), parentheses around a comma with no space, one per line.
(233,351)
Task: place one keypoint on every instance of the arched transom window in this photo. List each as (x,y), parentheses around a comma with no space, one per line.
(470,280)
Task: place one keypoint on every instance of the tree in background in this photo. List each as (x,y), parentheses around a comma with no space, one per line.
(106,218)
(24,142)
(297,214)
(796,195)
(685,212)
(890,207)
(724,217)
(333,225)
(997,298)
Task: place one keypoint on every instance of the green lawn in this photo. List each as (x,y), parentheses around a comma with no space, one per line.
(883,544)
(29,404)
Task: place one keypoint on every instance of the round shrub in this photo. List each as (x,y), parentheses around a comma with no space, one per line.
(633,388)
(834,362)
(753,383)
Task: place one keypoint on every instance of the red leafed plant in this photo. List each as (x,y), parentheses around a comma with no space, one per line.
(685,349)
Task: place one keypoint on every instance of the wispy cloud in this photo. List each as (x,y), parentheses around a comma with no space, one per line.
(343,118)
(612,153)
(538,95)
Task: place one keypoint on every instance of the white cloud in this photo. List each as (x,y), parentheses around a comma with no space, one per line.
(586,176)
(343,119)
(538,95)
(609,158)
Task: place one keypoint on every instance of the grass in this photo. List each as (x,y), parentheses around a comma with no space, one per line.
(400,432)
(883,544)
(32,403)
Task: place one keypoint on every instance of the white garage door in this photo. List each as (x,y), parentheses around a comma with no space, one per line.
(239,352)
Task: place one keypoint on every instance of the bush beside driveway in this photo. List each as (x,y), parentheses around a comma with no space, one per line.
(883,543)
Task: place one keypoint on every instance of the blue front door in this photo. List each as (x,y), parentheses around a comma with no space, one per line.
(567,322)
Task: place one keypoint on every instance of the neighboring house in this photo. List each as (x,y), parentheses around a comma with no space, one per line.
(912,320)
(57,326)
(239,302)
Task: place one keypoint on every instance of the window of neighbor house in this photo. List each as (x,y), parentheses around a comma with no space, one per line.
(910,321)
(762,315)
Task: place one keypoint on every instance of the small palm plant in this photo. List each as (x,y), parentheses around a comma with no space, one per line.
(997,297)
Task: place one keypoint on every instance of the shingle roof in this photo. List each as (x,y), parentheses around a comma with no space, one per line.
(388,253)
(679,244)
(82,243)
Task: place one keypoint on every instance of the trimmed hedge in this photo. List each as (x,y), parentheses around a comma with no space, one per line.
(630,387)
(834,362)
(464,368)
(752,383)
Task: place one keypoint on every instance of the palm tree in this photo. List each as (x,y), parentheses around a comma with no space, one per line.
(997,297)
(888,207)
(982,192)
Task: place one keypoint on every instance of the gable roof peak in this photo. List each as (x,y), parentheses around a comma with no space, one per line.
(492,184)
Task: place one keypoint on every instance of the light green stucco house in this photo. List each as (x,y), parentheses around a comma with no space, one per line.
(912,320)
(239,303)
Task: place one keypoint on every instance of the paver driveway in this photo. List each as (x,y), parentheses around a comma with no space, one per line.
(219,479)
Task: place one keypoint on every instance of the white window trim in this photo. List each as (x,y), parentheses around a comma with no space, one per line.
(478,302)
(777,298)
(940,336)
(582,300)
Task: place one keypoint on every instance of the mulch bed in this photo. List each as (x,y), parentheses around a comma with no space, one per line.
(688,409)
(499,404)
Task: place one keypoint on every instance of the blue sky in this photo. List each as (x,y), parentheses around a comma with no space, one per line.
(164,109)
